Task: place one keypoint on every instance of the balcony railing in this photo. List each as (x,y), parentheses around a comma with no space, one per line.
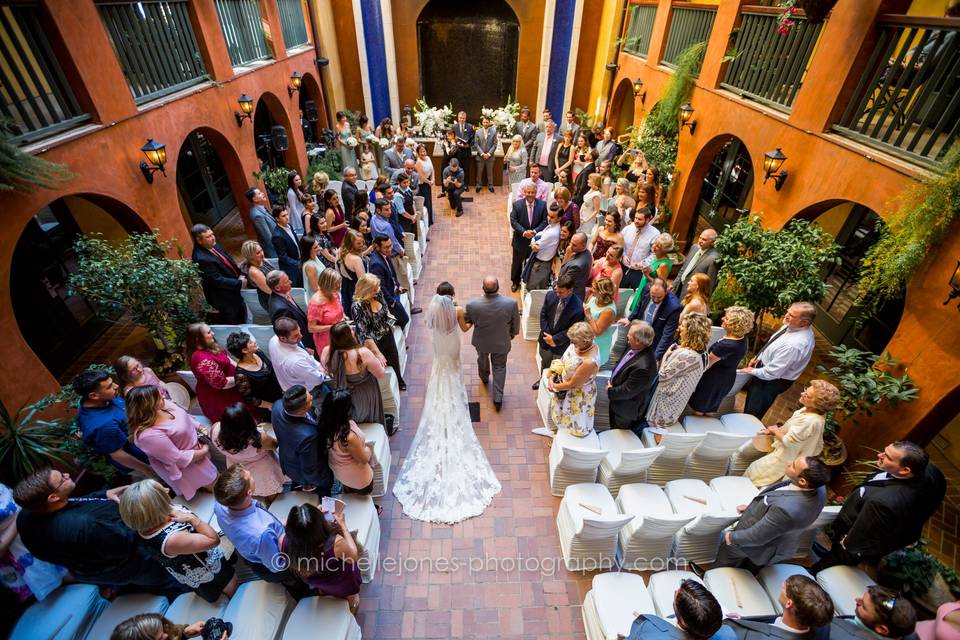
(770,67)
(243,30)
(636,40)
(291,20)
(155,44)
(689,25)
(36,99)
(908,99)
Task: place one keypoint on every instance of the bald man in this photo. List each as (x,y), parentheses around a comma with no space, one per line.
(701,259)
(496,321)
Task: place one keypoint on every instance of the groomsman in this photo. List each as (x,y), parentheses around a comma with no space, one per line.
(702,258)
(542,154)
(570,123)
(526,130)
(547,117)
(527,217)
(464,132)
(485,144)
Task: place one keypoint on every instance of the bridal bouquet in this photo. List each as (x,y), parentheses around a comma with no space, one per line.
(432,122)
(384,143)
(503,118)
(352,142)
(556,375)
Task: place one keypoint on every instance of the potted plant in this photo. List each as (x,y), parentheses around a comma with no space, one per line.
(922,578)
(275,180)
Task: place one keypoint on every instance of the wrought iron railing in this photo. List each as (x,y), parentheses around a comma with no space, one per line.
(242,28)
(636,39)
(689,24)
(767,66)
(155,44)
(35,99)
(908,99)
(292,23)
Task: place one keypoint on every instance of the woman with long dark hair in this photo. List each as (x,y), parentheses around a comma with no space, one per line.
(355,367)
(216,384)
(347,450)
(244,442)
(295,199)
(350,265)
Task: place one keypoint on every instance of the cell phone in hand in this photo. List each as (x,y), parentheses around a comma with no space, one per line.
(329,506)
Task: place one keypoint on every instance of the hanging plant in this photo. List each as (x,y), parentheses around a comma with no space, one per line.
(25,172)
(815,11)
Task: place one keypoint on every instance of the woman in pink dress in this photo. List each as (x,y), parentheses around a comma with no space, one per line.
(243,442)
(168,435)
(216,386)
(324,309)
(347,450)
(131,373)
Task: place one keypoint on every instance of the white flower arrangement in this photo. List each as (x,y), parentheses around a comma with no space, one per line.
(352,142)
(384,143)
(315,151)
(503,118)
(432,122)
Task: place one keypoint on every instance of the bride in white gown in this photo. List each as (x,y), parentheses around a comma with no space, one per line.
(446,477)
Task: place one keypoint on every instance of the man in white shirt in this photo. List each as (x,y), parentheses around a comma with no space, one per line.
(291,362)
(544,247)
(543,189)
(637,240)
(782,360)
(543,150)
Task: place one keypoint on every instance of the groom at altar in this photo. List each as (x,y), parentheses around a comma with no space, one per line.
(496,321)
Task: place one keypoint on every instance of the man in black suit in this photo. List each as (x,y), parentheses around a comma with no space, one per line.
(285,244)
(382,267)
(578,267)
(807,614)
(527,217)
(302,454)
(222,280)
(464,132)
(348,192)
(560,310)
(283,305)
(661,310)
(582,185)
(629,387)
(702,258)
(888,511)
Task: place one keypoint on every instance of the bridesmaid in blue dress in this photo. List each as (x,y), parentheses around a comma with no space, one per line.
(724,357)
(348,154)
(600,312)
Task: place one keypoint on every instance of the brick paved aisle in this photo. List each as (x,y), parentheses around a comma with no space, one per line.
(496,599)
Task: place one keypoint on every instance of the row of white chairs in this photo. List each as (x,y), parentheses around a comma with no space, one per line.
(616,599)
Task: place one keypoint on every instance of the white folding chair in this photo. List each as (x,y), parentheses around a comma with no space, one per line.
(733,491)
(201,504)
(65,614)
(332,615)
(772,578)
(677,447)
(699,541)
(190,606)
(360,514)
(712,457)
(401,339)
(662,586)
(376,435)
(623,299)
(612,604)
(412,249)
(805,543)
(748,425)
(258,610)
(271,264)
(390,392)
(574,460)
(844,585)
(259,315)
(647,541)
(530,318)
(588,524)
(261,333)
(222,331)
(601,413)
(738,592)
(123,607)
(627,460)
(281,506)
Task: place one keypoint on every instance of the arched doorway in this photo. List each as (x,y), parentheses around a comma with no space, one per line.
(272,134)
(621,107)
(855,228)
(58,324)
(202,180)
(311,114)
(458,39)
(726,190)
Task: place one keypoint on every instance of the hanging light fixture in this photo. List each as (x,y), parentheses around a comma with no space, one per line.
(156,153)
(295,81)
(686,117)
(638,91)
(246,109)
(772,161)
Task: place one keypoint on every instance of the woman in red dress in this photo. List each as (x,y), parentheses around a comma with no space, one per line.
(216,385)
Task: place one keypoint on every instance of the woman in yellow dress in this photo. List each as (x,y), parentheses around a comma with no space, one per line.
(801,435)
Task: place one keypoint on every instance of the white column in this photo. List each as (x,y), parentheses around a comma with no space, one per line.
(547,43)
(572,62)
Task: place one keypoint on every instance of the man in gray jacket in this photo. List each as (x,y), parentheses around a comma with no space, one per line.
(496,321)
(262,219)
(485,145)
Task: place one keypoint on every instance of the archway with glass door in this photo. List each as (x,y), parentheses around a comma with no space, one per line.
(202,179)
(727,187)
(622,107)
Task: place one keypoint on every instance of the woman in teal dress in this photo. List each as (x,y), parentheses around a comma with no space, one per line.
(659,268)
(600,313)
(348,154)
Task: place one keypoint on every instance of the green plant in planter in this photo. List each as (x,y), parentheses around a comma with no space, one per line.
(864,381)
(275,180)
(664,118)
(329,162)
(912,571)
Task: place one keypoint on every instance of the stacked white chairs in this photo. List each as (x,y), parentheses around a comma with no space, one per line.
(179,394)
(406,302)
(712,457)
(601,413)
(390,392)
(677,447)
(618,345)
(299,295)
(262,333)
(401,339)
(662,586)
(258,611)
(331,616)
(698,541)
(65,614)
(258,315)
(844,585)
(612,604)
(376,435)
(805,543)
(423,222)
(733,491)
(772,578)
(543,398)
(530,318)
(627,460)
(360,514)
(738,592)
(411,290)
(190,606)
(647,541)
(574,460)
(588,523)
(747,425)
(412,249)
(369,185)
(123,607)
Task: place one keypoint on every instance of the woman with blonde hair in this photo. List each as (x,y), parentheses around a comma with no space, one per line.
(319,183)
(252,267)
(132,373)
(722,361)
(185,545)
(568,209)
(515,160)
(581,155)
(600,313)
(374,325)
(574,396)
(169,437)
(151,626)
(697,297)
(590,208)
(659,267)
(324,308)
(680,370)
(624,188)
(800,436)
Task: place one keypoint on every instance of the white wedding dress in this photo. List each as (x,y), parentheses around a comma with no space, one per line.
(446,477)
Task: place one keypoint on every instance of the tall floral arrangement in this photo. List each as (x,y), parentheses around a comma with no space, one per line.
(432,122)
(503,118)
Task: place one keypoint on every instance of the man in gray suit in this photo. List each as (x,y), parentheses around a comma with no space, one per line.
(570,122)
(485,144)
(262,219)
(542,153)
(771,524)
(702,258)
(393,158)
(526,130)
(495,320)
(579,266)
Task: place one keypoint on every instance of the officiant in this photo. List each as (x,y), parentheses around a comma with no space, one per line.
(463,131)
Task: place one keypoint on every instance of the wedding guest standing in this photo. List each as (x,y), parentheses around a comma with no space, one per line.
(282,304)
(336,220)
(168,435)
(574,397)
(382,267)
(252,268)
(216,385)
(697,296)
(561,310)
(255,365)
(629,387)
(287,247)
(312,263)
(244,442)
(680,371)
(348,453)
(374,325)
(800,436)
(590,209)
(606,235)
(324,308)
(723,359)
(659,267)
(638,240)
(131,373)
(606,147)
(542,153)
(221,276)
(295,199)
(319,184)
(515,160)
(600,313)
(263,222)
(485,143)
(527,217)
(702,258)
(426,180)
(350,266)
(356,368)
(608,267)
(345,141)
(563,156)
(527,130)
(661,310)
(20,572)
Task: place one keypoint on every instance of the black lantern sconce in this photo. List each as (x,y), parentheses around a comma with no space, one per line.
(686,117)
(295,81)
(246,109)
(772,161)
(638,91)
(954,286)
(156,153)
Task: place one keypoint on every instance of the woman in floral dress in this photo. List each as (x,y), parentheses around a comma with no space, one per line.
(573,399)
(680,371)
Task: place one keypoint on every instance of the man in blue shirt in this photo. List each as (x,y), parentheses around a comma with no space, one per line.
(102,419)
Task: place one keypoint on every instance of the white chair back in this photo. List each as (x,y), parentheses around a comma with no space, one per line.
(623,298)
(300,297)
(336,185)
(637,460)
(258,314)
(844,585)
(574,459)
(662,586)
(679,445)
(772,578)
(738,592)
(188,377)
(258,610)
(179,394)
(692,496)
(261,333)
(733,491)
(222,331)
(719,445)
(805,542)
(715,334)
(530,318)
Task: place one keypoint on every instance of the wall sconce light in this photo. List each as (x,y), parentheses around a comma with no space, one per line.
(954,286)
(638,91)
(295,80)
(686,117)
(156,153)
(246,109)
(613,67)
(322,62)
(772,161)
